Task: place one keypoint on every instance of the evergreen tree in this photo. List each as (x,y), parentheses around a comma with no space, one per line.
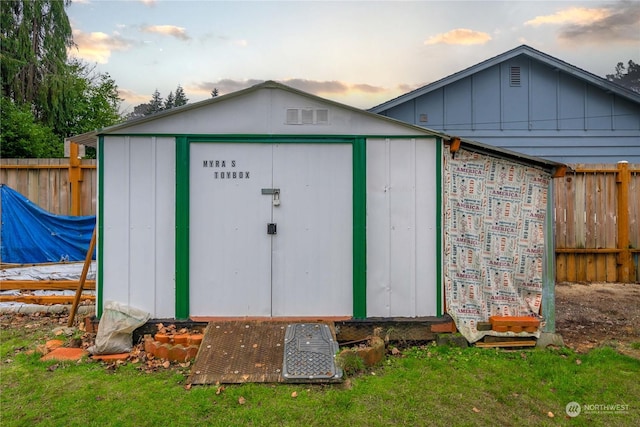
(155,104)
(169,102)
(181,98)
(35,36)
(629,78)
(214,92)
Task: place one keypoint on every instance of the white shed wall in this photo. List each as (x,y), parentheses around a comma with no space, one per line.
(263,113)
(139,223)
(401,227)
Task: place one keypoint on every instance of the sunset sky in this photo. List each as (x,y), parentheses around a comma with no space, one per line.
(360,53)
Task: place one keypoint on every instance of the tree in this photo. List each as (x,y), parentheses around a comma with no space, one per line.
(22,136)
(629,77)
(155,104)
(181,98)
(35,36)
(214,92)
(169,102)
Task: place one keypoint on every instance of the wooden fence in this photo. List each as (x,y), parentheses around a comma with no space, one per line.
(597,224)
(60,186)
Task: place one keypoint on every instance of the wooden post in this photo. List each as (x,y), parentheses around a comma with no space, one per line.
(75,178)
(624,256)
(83,277)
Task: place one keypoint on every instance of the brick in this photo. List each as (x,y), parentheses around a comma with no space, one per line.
(163,338)
(65,353)
(149,345)
(53,344)
(195,339)
(443,327)
(162,351)
(192,352)
(181,339)
(177,353)
(374,353)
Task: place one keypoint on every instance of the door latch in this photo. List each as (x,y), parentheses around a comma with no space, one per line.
(272,228)
(275,192)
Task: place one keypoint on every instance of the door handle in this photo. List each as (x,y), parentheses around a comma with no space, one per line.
(272,228)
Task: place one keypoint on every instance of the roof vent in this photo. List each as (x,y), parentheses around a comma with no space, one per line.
(307,116)
(514,76)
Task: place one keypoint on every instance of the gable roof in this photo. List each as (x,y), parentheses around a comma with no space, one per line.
(520,50)
(90,138)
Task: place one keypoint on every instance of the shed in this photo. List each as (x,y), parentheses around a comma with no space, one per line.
(530,102)
(270,202)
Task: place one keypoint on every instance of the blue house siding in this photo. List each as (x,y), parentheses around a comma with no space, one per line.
(529,102)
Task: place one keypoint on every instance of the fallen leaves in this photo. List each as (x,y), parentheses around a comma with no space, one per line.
(294,394)
(242,400)
(476,410)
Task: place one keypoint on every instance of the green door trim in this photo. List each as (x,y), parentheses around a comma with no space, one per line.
(359,210)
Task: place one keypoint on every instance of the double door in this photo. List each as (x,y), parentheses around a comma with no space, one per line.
(270,229)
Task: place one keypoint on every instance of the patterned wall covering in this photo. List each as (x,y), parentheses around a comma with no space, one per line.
(494,213)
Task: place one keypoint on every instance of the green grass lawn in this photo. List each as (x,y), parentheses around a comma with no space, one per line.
(422,386)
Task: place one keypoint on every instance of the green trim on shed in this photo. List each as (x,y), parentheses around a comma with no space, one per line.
(100,225)
(182,228)
(359,174)
(359,195)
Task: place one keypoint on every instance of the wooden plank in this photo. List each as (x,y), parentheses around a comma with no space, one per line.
(34,285)
(44,299)
(570,220)
(591,210)
(599,225)
(611,234)
(561,267)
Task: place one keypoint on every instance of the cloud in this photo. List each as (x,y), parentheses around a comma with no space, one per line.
(132,97)
(167,30)
(618,22)
(462,36)
(97,47)
(149,3)
(331,87)
(574,15)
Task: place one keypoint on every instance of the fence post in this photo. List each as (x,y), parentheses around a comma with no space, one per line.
(75,178)
(623,178)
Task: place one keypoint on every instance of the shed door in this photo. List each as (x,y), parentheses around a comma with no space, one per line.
(236,267)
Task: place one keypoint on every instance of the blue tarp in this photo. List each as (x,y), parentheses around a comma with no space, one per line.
(29,234)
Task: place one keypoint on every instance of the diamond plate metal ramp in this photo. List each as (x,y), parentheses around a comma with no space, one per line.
(309,354)
(253,351)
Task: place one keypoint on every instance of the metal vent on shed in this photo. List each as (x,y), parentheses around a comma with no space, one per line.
(307,116)
(514,76)
(293,115)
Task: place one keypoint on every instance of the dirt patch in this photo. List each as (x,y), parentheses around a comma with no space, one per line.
(595,314)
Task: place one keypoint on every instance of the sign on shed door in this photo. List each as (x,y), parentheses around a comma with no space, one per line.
(270,229)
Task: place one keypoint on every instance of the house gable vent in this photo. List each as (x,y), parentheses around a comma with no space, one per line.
(514,76)
(307,116)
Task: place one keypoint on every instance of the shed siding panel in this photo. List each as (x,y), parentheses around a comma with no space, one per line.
(401,270)
(139,199)
(165,225)
(115,236)
(572,102)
